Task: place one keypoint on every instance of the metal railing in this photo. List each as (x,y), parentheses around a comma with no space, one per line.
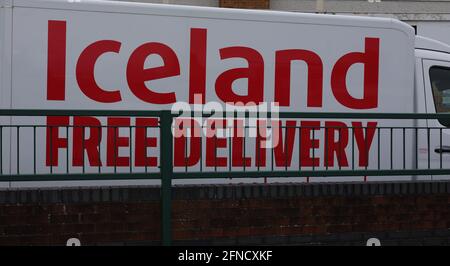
(393,149)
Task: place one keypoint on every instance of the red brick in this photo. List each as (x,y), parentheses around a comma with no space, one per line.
(147,207)
(55,209)
(95,218)
(13,220)
(186,224)
(118,217)
(151,235)
(290,230)
(361,228)
(78,228)
(440,224)
(196,219)
(110,227)
(312,229)
(65,219)
(79,208)
(35,240)
(339,228)
(40,219)
(211,233)
(9,241)
(17,209)
(183,234)
(380,200)
(55,229)
(144,226)
(263,231)
(116,237)
(22,230)
(392,226)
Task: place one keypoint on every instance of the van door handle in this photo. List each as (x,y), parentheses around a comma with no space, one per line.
(443,149)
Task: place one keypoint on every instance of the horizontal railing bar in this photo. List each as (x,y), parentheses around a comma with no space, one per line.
(205,127)
(366,115)
(74,126)
(49,112)
(306,173)
(262,115)
(78,177)
(217,175)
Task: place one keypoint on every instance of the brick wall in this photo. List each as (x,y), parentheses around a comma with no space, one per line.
(396,213)
(251,4)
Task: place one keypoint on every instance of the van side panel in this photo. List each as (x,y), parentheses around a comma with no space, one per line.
(5,80)
(330,57)
(324,42)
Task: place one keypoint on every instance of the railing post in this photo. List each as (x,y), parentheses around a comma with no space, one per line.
(166,165)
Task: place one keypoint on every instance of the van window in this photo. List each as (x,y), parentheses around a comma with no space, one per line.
(440,84)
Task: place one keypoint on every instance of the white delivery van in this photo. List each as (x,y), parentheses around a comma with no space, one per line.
(99,55)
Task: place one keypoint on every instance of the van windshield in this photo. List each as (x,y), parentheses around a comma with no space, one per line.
(440,84)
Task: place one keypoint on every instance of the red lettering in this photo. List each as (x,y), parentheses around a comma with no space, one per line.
(238,158)
(261,139)
(143,142)
(338,146)
(137,75)
(90,145)
(213,142)
(54,142)
(181,156)
(364,142)
(56,61)
(370,60)
(85,71)
(283,60)
(254,73)
(283,150)
(197,66)
(309,142)
(115,141)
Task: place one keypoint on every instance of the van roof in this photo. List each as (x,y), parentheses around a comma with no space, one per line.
(214,12)
(431,44)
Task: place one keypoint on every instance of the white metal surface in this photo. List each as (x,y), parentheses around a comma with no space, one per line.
(133,25)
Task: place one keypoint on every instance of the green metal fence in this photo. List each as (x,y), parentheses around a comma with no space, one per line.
(402,157)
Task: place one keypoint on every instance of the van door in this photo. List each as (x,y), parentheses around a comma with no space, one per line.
(437,100)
